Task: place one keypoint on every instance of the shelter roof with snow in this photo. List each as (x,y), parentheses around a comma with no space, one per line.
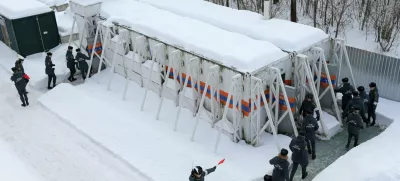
(16,9)
(284,34)
(231,49)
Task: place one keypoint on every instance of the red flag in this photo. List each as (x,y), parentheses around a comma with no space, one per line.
(221,162)
(25,76)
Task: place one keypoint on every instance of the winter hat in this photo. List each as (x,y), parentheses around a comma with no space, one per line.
(372,84)
(197,170)
(70,47)
(284,152)
(345,79)
(309,96)
(78,50)
(49,53)
(355,93)
(360,88)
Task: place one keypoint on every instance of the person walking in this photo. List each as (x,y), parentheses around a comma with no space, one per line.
(364,96)
(83,65)
(356,101)
(309,104)
(310,125)
(20,84)
(354,125)
(299,155)
(346,91)
(70,63)
(50,70)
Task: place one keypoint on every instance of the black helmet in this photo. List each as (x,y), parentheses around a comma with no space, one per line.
(360,89)
(372,84)
(197,170)
(355,93)
(309,96)
(345,79)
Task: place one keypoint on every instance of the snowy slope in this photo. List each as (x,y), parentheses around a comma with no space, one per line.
(138,138)
(283,34)
(232,49)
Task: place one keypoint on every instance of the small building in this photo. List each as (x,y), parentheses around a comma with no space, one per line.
(28,26)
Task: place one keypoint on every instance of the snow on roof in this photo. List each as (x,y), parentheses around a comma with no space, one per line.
(15,9)
(229,48)
(86,2)
(284,34)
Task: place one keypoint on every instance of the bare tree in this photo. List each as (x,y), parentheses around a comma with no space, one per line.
(293,11)
(315,12)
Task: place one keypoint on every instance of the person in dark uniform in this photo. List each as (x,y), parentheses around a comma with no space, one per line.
(70,63)
(20,84)
(309,104)
(20,68)
(310,125)
(354,125)
(83,65)
(364,96)
(50,71)
(299,155)
(281,166)
(346,90)
(372,102)
(198,174)
(356,101)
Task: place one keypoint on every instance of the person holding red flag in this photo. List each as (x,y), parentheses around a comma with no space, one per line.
(198,174)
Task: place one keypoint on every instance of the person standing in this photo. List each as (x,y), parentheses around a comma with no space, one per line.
(299,155)
(354,125)
(20,68)
(364,96)
(309,104)
(20,84)
(356,101)
(346,90)
(70,63)
(310,125)
(81,58)
(372,102)
(281,166)
(50,70)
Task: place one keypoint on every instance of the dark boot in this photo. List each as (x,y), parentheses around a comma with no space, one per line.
(347,146)
(313,157)
(304,175)
(49,87)
(23,105)
(373,123)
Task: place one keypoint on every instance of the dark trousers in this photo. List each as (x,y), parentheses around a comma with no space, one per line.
(311,146)
(355,139)
(23,96)
(52,77)
(72,72)
(294,169)
(371,113)
(84,72)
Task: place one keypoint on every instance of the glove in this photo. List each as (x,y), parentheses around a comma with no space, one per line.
(375,103)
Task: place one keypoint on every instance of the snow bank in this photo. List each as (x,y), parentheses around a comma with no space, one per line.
(34,65)
(64,23)
(12,168)
(86,2)
(138,138)
(283,34)
(52,3)
(231,49)
(15,9)
(374,160)
(331,124)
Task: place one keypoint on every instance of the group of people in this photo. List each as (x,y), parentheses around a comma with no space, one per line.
(21,79)
(354,104)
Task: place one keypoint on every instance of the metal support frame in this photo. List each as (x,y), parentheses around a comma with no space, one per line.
(257,89)
(341,47)
(323,67)
(183,91)
(272,78)
(82,31)
(211,76)
(154,57)
(119,42)
(172,64)
(304,81)
(235,85)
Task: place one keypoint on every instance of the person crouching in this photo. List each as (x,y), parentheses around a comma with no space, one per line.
(281,166)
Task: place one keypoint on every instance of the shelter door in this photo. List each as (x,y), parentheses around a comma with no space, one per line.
(48,31)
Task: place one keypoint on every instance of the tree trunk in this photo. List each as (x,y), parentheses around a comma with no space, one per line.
(293,11)
(307,11)
(366,14)
(315,12)
(326,11)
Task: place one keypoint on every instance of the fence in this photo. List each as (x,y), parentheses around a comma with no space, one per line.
(373,67)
